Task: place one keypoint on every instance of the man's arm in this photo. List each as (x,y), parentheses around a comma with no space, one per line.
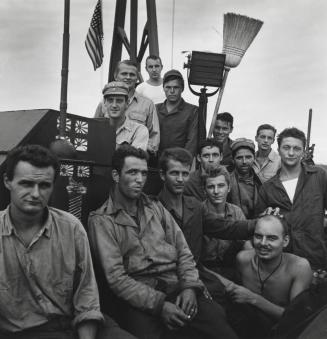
(85,301)
(107,252)
(141,137)
(217,227)
(302,277)
(242,295)
(153,127)
(192,133)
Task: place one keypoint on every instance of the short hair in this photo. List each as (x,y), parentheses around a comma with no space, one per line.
(174,77)
(36,155)
(177,154)
(210,142)
(227,117)
(216,172)
(281,220)
(266,126)
(153,57)
(125,62)
(124,151)
(292,132)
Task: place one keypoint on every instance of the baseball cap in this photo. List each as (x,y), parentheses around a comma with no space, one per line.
(173,72)
(115,88)
(242,142)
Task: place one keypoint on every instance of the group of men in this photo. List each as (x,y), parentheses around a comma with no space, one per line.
(220,252)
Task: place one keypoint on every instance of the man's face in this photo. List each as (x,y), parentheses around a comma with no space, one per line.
(268,239)
(291,151)
(222,130)
(173,90)
(217,189)
(175,177)
(209,158)
(132,177)
(115,106)
(154,68)
(265,139)
(127,74)
(30,188)
(243,161)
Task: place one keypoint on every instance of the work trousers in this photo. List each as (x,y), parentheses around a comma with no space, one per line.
(209,323)
(62,330)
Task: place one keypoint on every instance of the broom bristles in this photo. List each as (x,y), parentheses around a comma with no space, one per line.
(239,32)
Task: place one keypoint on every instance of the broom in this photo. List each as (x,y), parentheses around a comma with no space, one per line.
(239,32)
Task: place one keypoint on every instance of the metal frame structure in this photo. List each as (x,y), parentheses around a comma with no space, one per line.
(119,38)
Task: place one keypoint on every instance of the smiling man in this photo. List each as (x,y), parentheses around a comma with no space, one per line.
(146,261)
(244,183)
(152,88)
(47,284)
(139,108)
(300,191)
(178,119)
(267,161)
(222,129)
(269,280)
(209,157)
(129,132)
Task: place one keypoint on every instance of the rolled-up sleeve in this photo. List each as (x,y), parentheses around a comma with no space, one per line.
(107,251)
(153,127)
(86,297)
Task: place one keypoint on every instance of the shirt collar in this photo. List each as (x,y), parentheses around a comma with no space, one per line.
(9,229)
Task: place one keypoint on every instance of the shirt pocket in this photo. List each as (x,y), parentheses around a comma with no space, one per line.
(63,290)
(10,298)
(137,116)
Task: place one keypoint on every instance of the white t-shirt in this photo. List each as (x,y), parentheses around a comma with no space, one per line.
(155,93)
(290,187)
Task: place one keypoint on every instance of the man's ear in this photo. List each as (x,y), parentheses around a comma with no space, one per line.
(162,175)
(6,182)
(198,158)
(115,176)
(286,240)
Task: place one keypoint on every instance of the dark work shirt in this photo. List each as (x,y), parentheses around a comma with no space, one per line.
(178,128)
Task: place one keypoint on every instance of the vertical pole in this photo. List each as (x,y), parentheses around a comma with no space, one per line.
(309,130)
(133,30)
(64,70)
(153,29)
(202,115)
(116,46)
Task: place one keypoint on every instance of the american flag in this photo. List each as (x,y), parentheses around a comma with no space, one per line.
(93,41)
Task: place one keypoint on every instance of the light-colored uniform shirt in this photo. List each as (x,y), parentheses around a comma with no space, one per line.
(52,276)
(132,133)
(155,93)
(269,168)
(143,111)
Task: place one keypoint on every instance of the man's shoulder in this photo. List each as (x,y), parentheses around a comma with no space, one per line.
(65,220)
(245,257)
(192,202)
(188,106)
(140,98)
(297,265)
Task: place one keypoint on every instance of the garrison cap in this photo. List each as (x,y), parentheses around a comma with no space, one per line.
(242,142)
(115,88)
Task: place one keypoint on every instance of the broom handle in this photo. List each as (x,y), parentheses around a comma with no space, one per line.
(220,95)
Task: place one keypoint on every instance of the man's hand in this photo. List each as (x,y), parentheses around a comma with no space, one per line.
(173,316)
(240,294)
(186,300)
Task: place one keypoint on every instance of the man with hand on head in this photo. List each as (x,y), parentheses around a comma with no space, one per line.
(267,161)
(139,108)
(129,132)
(269,280)
(47,284)
(147,263)
(152,88)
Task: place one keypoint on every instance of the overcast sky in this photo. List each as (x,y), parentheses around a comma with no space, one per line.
(281,76)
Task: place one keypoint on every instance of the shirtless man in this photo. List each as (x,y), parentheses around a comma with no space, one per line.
(271,279)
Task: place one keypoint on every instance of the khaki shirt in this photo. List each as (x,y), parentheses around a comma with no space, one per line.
(269,168)
(52,276)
